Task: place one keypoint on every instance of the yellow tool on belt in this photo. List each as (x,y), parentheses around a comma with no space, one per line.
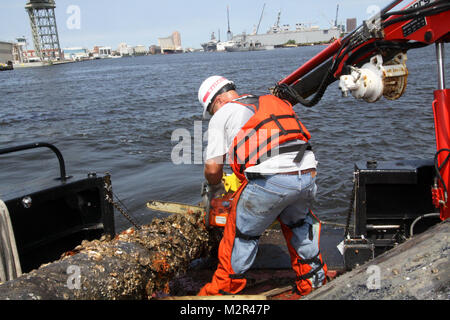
(231,182)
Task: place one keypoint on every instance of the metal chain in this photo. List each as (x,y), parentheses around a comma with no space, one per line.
(123,211)
(109,197)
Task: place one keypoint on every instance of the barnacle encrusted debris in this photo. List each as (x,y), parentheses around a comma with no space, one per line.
(136,264)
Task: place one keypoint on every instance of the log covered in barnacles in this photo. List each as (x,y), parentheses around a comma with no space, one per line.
(136,264)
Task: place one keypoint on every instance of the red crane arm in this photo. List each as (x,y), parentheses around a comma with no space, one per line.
(418,24)
(428,26)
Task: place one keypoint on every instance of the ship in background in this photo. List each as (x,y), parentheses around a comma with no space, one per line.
(243,44)
(217,45)
(211,45)
(277,36)
(282,35)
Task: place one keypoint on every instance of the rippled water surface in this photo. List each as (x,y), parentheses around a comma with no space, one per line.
(118,116)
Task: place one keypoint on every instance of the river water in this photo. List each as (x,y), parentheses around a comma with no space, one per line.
(119,115)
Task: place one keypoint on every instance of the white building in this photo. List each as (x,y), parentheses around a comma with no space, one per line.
(125,50)
(76,54)
(140,50)
(20,48)
(104,52)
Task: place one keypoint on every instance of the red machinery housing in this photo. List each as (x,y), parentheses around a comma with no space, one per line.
(391,201)
(418,24)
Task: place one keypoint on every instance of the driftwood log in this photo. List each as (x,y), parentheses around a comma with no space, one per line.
(136,264)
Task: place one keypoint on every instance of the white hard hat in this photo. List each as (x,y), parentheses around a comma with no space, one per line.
(210,88)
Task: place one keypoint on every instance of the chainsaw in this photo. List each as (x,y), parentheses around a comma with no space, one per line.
(215,210)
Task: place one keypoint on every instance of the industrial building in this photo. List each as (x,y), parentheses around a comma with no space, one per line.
(154,49)
(140,50)
(171,44)
(101,52)
(31,56)
(76,54)
(104,51)
(351,24)
(6,56)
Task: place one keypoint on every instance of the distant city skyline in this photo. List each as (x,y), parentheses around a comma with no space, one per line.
(85,23)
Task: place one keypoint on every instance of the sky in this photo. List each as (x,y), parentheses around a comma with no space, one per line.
(87,23)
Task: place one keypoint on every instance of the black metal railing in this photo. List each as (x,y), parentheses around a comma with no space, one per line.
(62,166)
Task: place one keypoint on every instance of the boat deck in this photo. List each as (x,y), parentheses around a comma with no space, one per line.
(271,274)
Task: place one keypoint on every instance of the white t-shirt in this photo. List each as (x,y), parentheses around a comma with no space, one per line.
(225,125)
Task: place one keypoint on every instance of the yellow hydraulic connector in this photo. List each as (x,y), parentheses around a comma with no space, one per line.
(231,182)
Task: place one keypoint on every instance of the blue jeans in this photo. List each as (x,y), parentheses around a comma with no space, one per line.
(288,197)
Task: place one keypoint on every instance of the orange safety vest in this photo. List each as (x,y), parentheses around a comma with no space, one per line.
(273,123)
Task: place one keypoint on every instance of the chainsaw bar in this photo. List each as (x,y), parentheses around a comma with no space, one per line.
(174,207)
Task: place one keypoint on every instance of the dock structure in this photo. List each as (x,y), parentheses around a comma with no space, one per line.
(44,30)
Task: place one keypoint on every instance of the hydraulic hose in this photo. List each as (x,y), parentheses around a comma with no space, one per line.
(434,8)
(428,215)
(411,10)
(438,169)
